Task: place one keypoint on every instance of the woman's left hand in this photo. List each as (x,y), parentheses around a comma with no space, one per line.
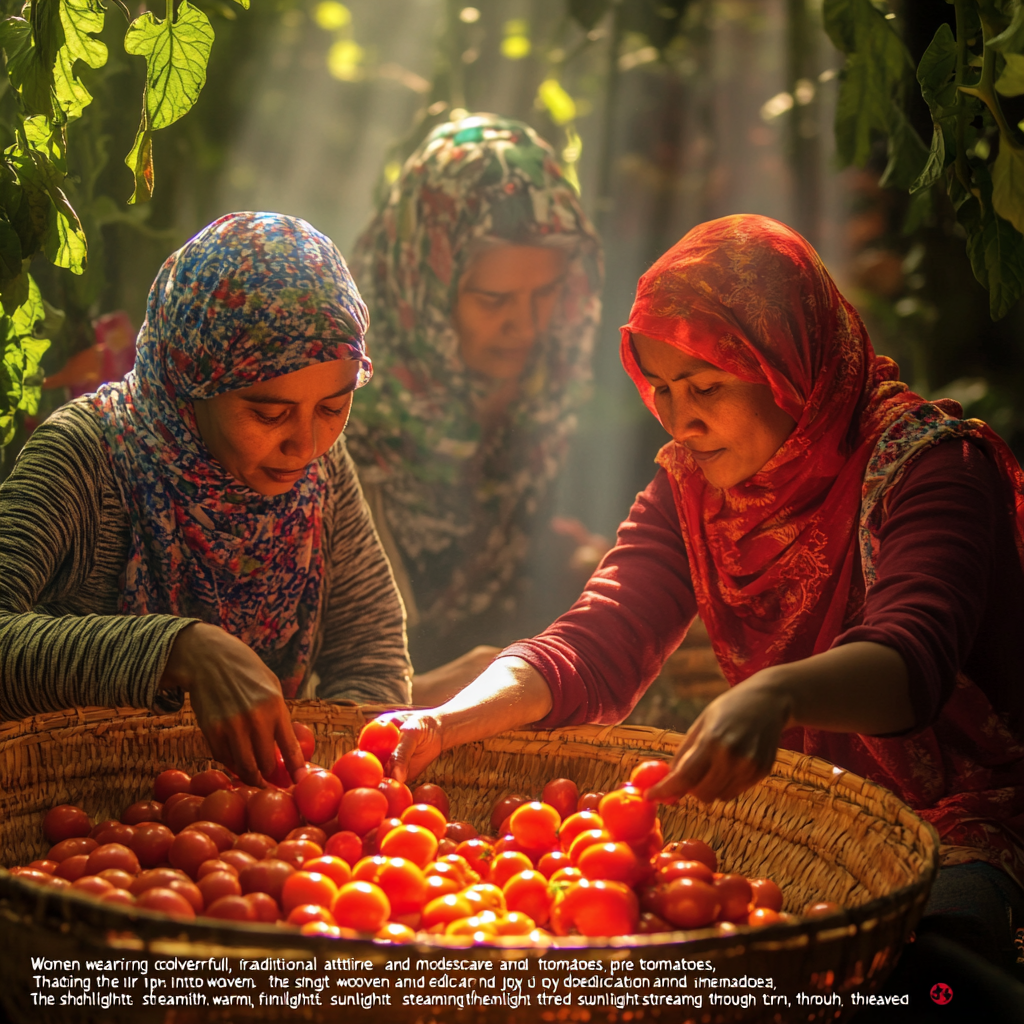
(731,745)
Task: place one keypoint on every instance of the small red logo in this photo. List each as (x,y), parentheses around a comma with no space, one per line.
(941,994)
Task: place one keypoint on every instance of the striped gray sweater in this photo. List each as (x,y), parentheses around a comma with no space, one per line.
(64,538)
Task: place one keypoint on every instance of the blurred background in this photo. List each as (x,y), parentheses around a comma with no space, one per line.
(667,112)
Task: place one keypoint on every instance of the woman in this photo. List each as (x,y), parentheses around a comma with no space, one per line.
(199,526)
(854,551)
(481,274)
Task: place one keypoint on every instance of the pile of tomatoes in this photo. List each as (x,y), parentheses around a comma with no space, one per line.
(350,851)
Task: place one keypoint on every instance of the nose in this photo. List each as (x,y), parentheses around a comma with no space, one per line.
(521,321)
(680,418)
(299,444)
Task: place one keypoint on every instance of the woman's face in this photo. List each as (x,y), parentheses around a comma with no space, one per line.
(730,427)
(266,435)
(504,305)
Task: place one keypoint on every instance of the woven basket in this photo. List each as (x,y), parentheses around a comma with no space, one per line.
(819,832)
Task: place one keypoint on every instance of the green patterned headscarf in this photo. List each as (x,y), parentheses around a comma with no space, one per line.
(460,503)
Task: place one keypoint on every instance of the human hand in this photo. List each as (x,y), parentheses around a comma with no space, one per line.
(420,741)
(731,746)
(237,700)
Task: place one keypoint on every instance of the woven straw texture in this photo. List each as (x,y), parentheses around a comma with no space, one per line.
(819,832)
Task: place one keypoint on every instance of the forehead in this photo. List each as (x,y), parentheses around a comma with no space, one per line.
(506,268)
(315,381)
(663,359)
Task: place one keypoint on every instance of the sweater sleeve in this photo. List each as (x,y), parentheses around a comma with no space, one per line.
(934,563)
(600,656)
(53,548)
(364,656)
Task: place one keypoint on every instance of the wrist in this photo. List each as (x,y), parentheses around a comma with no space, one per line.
(780,685)
(179,669)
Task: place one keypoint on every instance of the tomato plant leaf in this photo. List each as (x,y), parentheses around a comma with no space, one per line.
(1008,184)
(1011,81)
(140,163)
(78,19)
(10,252)
(27,67)
(1011,39)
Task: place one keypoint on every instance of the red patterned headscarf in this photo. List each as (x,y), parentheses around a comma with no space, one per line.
(774,560)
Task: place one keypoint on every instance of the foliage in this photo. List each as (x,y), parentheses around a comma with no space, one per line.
(976,155)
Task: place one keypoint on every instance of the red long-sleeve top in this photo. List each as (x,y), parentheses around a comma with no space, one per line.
(949,596)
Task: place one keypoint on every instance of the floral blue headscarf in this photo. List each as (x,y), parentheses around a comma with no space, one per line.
(251,297)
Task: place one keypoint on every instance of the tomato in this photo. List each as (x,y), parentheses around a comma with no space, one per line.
(647,773)
(265,906)
(334,868)
(226,807)
(411,842)
(503,808)
(346,845)
(516,923)
(762,915)
(306,738)
(180,812)
(65,821)
(112,855)
(614,862)
(183,887)
(170,782)
(71,848)
(266,876)
(153,878)
(689,903)
(366,869)
(222,838)
(477,853)
(102,826)
(307,887)
(217,884)
(399,796)
(651,924)
(46,866)
(590,801)
(627,816)
(91,885)
(735,896)
(601,908)
(362,906)
(237,860)
(380,739)
(318,795)
(694,849)
(72,868)
(361,809)
(231,908)
(446,909)
(822,908)
(479,928)
(551,862)
(358,769)
(115,833)
(255,844)
(166,901)
(272,812)
(209,866)
(486,896)
(766,894)
(310,832)
(386,826)
(585,839)
(206,782)
(459,831)
(466,873)
(143,810)
(440,885)
(582,821)
(38,877)
(505,865)
(428,793)
(563,795)
(297,851)
(117,877)
(684,869)
(426,815)
(395,932)
(527,893)
(190,849)
(535,825)
(404,884)
(118,897)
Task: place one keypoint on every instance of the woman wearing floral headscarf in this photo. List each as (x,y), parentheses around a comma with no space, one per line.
(198,526)
(481,274)
(854,550)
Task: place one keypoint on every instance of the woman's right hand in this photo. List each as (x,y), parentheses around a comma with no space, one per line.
(420,741)
(237,701)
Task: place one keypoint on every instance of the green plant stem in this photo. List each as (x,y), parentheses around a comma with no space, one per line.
(986,92)
(963,171)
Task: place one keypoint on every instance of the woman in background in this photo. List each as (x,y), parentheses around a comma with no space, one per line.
(481,274)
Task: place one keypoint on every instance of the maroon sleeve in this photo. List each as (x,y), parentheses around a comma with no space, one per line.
(600,656)
(934,569)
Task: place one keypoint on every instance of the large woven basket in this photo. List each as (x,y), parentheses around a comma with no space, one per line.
(821,833)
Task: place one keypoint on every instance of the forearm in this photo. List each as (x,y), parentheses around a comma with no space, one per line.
(859,687)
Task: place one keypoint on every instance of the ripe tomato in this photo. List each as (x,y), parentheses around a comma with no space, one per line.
(735,895)
(379,738)
(446,909)
(307,913)
(822,908)
(460,864)
(601,908)
(362,906)
(102,826)
(170,782)
(366,869)
(426,815)
(46,866)
(651,924)
(217,884)
(527,893)
(183,887)
(428,793)
(265,876)
(208,867)
(112,855)
(358,769)
(684,869)
(362,808)
(38,877)
(118,897)
(318,795)
(582,821)
(310,832)
(226,807)
(65,821)
(404,885)
(503,808)
(272,812)
(515,923)
(585,839)
(689,903)
(337,870)
(165,901)
(232,908)
(204,783)
(694,849)
(563,795)
(238,860)
(280,776)
(321,929)
(161,877)
(614,862)
(71,848)
(551,862)
(479,927)
(72,868)
(535,825)
(399,796)
(306,738)
(91,885)
(223,838)
(477,853)
(459,831)
(304,887)
(297,851)
(766,894)
(114,833)
(486,896)
(505,865)
(256,844)
(627,816)
(265,906)
(590,801)
(647,773)
(346,845)
(395,932)
(440,885)
(182,810)
(762,915)
(190,849)
(143,810)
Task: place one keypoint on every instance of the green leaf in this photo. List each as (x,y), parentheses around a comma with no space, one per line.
(935,164)
(1011,39)
(140,163)
(29,67)
(1008,184)
(936,70)
(10,253)
(14,293)
(1011,81)
(907,153)
(78,19)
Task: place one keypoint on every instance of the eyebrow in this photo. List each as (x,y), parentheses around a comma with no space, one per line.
(540,288)
(271,400)
(682,376)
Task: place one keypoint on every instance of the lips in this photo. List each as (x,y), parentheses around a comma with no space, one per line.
(284,476)
(705,456)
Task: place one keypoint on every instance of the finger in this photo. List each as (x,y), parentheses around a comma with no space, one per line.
(294,760)
(398,765)
(260,725)
(243,759)
(730,775)
(684,776)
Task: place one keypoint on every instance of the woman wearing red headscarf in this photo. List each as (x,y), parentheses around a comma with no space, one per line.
(854,550)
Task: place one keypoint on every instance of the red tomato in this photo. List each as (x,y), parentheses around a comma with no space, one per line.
(297,851)
(380,739)
(563,795)
(358,769)
(446,846)
(165,901)
(180,812)
(590,801)
(273,813)
(65,821)
(306,738)
(527,893)
(115,833)
(386,826)
(318,796)
(255,844)
(761,916)
(684,869)
(118,897)
(362,808)
(362,906)
(233,908)
(346,845)
(239,860)
(206,782)
(460,831)
(170,782)
(535,825)
(822,908)
(46,866)
(552,862)
(190,849)
(334,868)
(766,894)
(217,884)
(614,862)
(38,877)
(208,867)
(71,848)
(161,877)
(428,793)
(102,826)
(399,796)
(445,909)
(91,885)
(72,868)
(143,810)
(223,838)
(366,869)
(505,865)
(404,885)
(582,821)
(280,776)
(477,853)
(411,842)
(735,895)
(183,887)
(601,908)
(265,906)
(651,924)
(627,816)
(694,849)
(646,774)
(112,855)
(265,876)
(689,903)
(226,807)
(585,839)
(503,808)
(309,913)
(310,832)
(427,816)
